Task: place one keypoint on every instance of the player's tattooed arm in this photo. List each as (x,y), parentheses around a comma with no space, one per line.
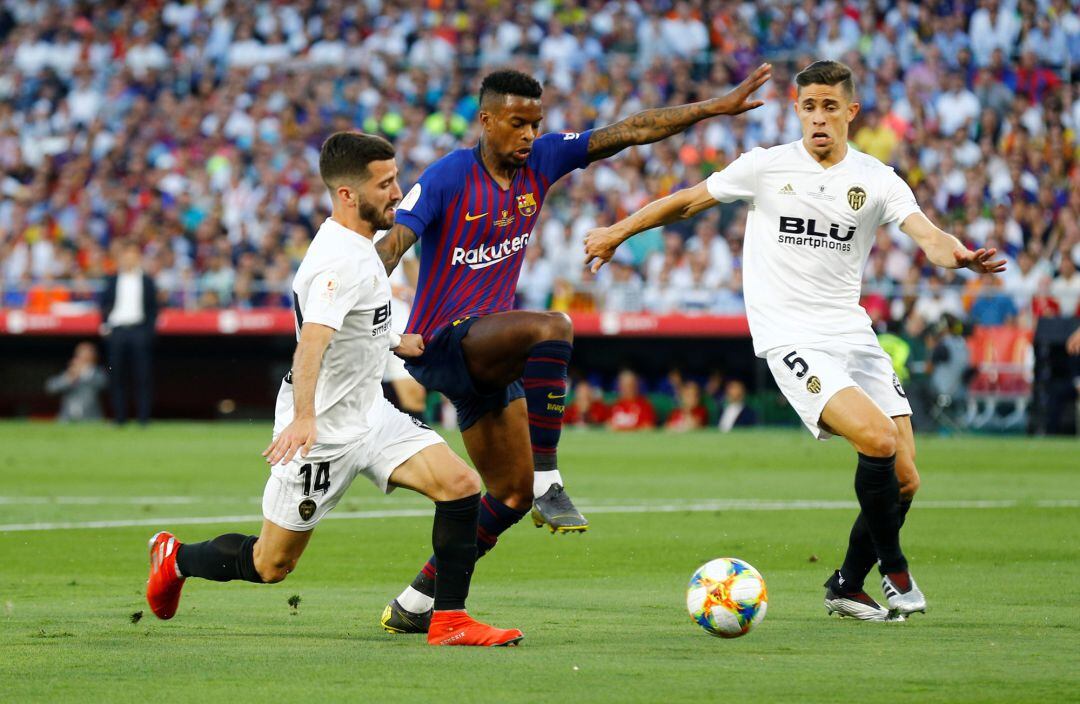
(394,244)
(946,250)
(650,126)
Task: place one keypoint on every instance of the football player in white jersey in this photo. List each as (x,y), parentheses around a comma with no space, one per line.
(815,207)
(332,422)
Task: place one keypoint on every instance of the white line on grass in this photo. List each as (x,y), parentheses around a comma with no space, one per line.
(670,506)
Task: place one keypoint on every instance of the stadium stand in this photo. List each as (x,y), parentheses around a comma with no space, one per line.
(193,128)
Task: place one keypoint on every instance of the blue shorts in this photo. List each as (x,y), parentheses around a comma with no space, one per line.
(442,368)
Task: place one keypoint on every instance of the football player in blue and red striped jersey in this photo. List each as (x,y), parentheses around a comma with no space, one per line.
(474,212)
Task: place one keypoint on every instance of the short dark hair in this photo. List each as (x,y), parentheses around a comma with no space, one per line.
(346,155)
(827,73)
(510,82)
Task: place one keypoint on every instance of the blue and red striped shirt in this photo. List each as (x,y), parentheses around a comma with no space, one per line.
(473,233)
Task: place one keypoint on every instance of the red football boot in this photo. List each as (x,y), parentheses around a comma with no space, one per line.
(163,587)
(458,628)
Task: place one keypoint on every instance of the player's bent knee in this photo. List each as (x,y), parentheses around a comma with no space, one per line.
(274,570)
(879,440)
(558,326)
(461,484)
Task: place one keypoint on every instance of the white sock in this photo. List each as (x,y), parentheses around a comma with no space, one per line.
(415,602)
(542,481)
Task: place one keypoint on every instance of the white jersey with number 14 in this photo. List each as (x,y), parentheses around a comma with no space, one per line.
(808,235)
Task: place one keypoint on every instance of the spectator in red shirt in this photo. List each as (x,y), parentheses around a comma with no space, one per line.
(690,415)
(631,411)
(1043,303)
(587,408)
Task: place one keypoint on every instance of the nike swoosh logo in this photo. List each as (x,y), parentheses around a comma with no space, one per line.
(551,395)
(470,218)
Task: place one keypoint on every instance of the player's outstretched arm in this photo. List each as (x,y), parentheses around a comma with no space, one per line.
(946,250)
(650,126)
(601,242)
(300,434)
(394,244)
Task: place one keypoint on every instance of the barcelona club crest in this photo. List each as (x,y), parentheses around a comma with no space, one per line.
(856,197)
(526,204)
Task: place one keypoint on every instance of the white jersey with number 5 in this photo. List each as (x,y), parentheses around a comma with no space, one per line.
(808,235)
(341,283)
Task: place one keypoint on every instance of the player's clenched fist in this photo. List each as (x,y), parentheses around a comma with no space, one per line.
(298,435)
(411,345)
(600,246)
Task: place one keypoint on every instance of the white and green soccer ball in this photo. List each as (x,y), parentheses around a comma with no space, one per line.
(727,597)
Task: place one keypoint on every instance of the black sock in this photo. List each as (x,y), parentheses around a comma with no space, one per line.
(223,559)
(905,506)
(453,537)
(495,518)
(545,461)
(861,558)
(878,491)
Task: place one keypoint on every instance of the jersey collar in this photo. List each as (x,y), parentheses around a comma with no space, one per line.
(484,168)
(810,157)
(350,236)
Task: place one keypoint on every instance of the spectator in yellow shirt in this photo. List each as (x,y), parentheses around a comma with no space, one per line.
(876,139)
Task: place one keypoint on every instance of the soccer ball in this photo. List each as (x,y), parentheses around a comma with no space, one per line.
(727,597)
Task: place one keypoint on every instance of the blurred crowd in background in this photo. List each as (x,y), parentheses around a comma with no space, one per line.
(193,128)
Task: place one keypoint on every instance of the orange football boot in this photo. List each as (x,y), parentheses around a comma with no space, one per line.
(458,628)
(163,587)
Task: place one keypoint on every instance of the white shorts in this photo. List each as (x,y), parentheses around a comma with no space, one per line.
(300,492)
(395,369)
(809,377)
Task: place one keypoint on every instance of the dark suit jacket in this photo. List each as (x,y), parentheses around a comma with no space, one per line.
(150,302)
(746,418)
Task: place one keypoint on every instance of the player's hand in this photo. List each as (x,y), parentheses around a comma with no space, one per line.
(411,345)
(1072,345)
(978,261)
(600,246)
(738,101)
(298,435)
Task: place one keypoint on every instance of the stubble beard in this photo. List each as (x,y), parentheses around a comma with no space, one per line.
(378,218)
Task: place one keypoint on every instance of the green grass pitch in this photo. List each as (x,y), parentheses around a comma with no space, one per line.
(993,541)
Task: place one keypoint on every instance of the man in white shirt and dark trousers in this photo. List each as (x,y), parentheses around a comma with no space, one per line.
(129,312)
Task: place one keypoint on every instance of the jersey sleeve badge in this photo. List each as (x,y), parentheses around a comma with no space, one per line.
(329,291)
